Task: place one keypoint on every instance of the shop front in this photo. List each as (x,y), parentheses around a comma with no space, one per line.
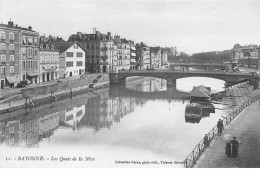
(33,77)
(12,81)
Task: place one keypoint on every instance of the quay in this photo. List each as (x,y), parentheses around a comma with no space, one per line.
(242,122)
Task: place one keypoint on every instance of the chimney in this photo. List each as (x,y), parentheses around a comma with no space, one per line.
(10,23)
(94,30)
(79,33)
(109,33)
(30,27)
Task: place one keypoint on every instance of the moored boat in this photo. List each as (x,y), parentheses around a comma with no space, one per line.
(193,110)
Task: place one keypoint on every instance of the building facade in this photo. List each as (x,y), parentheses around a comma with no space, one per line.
(142,56)
(71,59)
(99,50)
(246,56)
(29,55)
(122,59)
(10,55)
(49,61)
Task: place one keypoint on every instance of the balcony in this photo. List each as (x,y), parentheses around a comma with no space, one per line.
(3,63)
(11,40)
(111,48)
(11,51)
(104,57)
(11,63)
(104,48)
(3,40)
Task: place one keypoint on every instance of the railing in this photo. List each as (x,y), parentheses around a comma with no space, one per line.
(196,152)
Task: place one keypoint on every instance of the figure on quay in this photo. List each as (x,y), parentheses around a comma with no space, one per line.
(235,146)
(220,126)
(206,141)
(228,149)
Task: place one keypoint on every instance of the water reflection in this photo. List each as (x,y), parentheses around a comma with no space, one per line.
(98,112)
(143,109)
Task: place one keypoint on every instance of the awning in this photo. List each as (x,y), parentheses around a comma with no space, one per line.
(133,48)
(133,54)
(12,79)
(32,74)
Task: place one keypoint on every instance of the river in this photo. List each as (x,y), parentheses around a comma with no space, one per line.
(113,127)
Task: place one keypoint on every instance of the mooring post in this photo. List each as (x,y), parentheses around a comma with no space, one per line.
(51,97)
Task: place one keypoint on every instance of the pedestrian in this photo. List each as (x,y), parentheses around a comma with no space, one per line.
(206,141)
(219,126)
(235,146)
(222,126)
(228,149)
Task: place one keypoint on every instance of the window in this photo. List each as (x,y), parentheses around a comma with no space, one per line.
(30,41)
(28,65)
(35,41)
(2,35)
(69,63)
(11,36)
(41,46)
(35,53)
(11,47)
(3,46)
(69,54)
(24,52)
(11,69)
(11,59)
(79,63)
(28,52)
(24,65)
(3,70)
(35,64)
(3,58)
(79,54)
(24,40)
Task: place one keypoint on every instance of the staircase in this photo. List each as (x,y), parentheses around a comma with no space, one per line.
(91,85)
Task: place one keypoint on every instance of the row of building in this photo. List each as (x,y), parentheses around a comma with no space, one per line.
(27,56)
(246,56)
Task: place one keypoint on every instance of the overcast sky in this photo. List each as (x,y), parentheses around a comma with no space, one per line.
(191,26)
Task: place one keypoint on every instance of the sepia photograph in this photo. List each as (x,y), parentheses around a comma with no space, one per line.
(129,84)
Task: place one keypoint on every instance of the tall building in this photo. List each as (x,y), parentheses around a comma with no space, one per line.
(71,58)
(155,59)
(123,54)
(246,56)
(49,60)
(10,55)
(29,55)
(142,56)
(132,55)
(99,50)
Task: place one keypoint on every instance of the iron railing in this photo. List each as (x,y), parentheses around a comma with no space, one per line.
(200,147)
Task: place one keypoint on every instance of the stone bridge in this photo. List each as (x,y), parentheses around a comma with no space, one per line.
(171,76)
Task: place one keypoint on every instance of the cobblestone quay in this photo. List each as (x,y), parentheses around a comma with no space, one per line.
(246,127)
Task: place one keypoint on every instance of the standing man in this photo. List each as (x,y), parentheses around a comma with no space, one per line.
(219,126)
(235,146)
(206,141)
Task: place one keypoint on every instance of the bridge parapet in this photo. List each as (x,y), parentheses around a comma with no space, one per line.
(170,75)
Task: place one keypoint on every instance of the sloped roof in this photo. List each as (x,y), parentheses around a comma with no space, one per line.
(200,91)
(63,46)
(198,94)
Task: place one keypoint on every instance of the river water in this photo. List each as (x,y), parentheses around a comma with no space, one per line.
(118,127)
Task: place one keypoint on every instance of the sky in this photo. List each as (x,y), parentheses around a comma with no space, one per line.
(192,26)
